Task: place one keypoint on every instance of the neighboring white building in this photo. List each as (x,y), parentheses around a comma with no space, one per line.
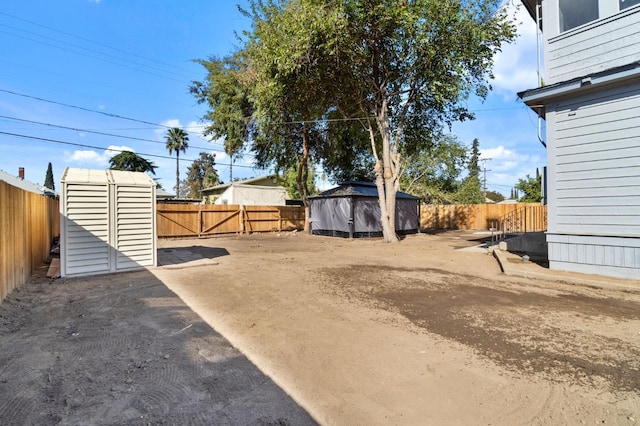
(590,101)
(261,191)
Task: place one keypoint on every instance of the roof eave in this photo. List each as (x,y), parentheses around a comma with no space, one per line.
(530,5)
(538,98)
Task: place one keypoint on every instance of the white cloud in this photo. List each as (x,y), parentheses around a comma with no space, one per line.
(172,122)
(117,149)
(501,159)
(516,65)
(505,166)
(92,158)
(85,157)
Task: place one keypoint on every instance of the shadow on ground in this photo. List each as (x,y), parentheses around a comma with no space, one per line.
(124,349)
(180,256)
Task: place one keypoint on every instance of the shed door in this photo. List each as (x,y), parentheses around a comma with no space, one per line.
(86,219)
(134,233)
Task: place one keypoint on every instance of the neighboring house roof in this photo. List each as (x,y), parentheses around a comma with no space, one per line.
(161,194)
(26,185)
(358,189)
(261,180)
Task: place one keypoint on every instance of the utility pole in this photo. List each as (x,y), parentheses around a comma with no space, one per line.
(484,174)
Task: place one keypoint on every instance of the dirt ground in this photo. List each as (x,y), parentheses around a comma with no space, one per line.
(294,329)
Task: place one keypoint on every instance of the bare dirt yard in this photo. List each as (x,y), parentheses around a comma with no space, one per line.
(295,329)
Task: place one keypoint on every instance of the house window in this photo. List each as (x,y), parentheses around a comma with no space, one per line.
(574,13)
(628,3)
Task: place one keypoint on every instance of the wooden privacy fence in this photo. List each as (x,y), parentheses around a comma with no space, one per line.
(28,223)
(188,220)
(520,217)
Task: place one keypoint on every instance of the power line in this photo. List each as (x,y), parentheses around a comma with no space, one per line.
(100,133)
(93,42)
(146,71)
(99,147)
(108,114)
(93,83)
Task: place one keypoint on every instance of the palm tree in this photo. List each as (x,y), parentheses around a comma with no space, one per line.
(177,140)
(131,162)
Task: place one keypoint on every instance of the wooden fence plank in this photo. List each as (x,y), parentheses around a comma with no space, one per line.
(176,220)
(529,216)
(28,224)
(179,220)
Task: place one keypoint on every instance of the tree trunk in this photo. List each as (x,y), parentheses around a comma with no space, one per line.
(177,174)
(303,174)
(386,177)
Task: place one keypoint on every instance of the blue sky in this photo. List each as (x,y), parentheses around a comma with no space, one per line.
(83,72)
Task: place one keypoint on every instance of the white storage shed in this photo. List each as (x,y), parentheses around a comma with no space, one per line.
(107,222)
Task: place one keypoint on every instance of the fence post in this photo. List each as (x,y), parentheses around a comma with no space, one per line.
(241,218)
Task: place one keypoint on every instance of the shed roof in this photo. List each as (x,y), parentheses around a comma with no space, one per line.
(71,175)
(358,189)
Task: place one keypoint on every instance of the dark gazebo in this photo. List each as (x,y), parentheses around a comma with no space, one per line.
(352,210)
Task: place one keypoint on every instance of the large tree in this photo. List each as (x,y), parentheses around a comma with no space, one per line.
(177,140)
(470,192)
(403,68)
(48,179)
(131,162)
(289,85)
(432,174)
(202,174)
(225,90)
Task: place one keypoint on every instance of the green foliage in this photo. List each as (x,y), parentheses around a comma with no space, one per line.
(495,196)
(345,154)
(432,174)
(470,192)
(184,187)
(201,174)
(531,188)
(177,140)
(48,180)
(132,162)
(401,69)
(226,93)
(290,182)
(474,168)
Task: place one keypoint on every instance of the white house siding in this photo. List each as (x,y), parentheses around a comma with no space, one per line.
(594,209)
(591,48)
(253,195)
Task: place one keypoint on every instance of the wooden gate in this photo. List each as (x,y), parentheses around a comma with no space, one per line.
(180,220)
